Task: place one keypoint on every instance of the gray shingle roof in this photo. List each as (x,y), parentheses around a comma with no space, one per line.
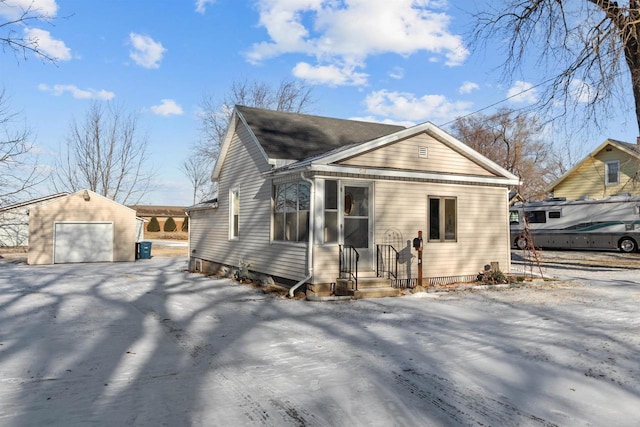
(628,145)
(293,136)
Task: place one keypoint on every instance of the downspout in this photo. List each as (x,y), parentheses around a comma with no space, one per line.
(312,206)
(189,242)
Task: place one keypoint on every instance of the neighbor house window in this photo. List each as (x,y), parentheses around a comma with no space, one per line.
(234,212)
(612,173)
(442,219)
(330,211)
(291,211)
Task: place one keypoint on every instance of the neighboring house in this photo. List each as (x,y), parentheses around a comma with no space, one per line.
(285,180)
(611,169)
(162,214)
(515,197)
(14,221)
(82,227)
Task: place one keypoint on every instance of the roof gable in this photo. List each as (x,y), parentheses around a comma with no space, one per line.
(299,140)
(632,150)
(86,195)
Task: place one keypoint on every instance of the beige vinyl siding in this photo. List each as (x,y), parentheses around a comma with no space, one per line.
(73,208)
(589,178)
(242,169)
(482,227)
(404,155)
(401,210)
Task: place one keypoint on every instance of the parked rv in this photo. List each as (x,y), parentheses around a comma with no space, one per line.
(595,224)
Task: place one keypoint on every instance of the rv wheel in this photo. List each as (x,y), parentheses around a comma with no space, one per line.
(521,243)
(627,245)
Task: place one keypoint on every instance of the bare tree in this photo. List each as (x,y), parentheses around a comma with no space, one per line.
(197,169)
(20,174)
(19,170)
(513,141)
(18,17)
(590,49)
(106,154)
(290,95)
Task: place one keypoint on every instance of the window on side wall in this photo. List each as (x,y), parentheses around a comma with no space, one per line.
(443,219)
(612,173)
(291,211)
(330,211)
(234,214)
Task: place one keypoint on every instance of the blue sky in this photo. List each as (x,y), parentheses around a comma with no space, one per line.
(400,61)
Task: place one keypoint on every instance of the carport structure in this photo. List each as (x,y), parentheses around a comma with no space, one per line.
(82,227)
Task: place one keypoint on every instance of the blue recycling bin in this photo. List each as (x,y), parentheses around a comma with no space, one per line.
(144,250)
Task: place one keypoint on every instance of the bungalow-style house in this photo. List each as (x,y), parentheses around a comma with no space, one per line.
(319,200)
(14,220)
(611,169)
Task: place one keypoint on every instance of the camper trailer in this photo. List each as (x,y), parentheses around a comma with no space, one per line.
(589,224)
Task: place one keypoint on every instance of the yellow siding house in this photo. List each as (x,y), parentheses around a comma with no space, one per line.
(609,170)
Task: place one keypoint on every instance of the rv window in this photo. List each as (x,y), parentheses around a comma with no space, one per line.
(554,214)
(536,216)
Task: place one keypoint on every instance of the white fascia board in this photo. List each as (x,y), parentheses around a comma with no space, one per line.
(430,129)
(388,173)
(231,129)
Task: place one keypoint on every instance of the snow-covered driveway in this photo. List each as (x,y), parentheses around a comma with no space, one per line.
(148,344)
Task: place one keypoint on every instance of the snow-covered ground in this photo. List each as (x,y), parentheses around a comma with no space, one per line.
(149,344)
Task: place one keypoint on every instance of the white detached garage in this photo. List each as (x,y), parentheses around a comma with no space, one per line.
(82,227)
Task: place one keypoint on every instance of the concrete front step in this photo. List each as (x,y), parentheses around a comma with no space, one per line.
(365,283)
(368,287)
(376,293)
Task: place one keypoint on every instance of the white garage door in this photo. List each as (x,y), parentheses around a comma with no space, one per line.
(83,242)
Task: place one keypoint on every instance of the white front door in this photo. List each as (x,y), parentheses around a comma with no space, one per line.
(357,227)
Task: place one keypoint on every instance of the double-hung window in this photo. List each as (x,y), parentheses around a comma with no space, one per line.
(291,211)
(612,173)
(443,219)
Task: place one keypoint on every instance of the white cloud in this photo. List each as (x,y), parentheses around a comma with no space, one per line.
(167,107)
(407,107)
(335,31)
(397,73)
(522,93)
(581,91)
(201,5)
(76,92)
(331,75)
(468,87)
(146,52)
(373,119)
(14,9)
(56,49)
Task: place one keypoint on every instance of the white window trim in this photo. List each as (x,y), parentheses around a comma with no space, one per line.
(606,173)
(233,213)
(441,220)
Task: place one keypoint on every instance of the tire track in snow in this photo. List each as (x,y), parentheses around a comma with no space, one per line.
(265,410)
(464,405)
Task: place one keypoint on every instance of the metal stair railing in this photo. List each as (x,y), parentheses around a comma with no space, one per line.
(387,261)
(349,257)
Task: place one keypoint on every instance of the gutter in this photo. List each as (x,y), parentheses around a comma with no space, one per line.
(312,206)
